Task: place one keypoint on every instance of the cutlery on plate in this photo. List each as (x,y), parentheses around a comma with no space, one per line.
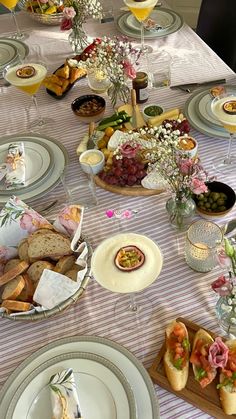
(91,136)
(189,87)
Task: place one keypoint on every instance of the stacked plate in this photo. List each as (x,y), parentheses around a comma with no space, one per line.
(45,161)
(166,22)
(111,382)
(198,112)
(11,52)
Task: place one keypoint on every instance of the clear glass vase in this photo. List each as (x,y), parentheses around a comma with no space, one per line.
(180,212)
(226,315)
(78,38)
(118,92)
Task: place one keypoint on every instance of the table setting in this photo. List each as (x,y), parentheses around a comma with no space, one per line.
(117,213)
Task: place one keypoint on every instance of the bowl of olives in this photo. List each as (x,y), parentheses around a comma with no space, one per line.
(217,202)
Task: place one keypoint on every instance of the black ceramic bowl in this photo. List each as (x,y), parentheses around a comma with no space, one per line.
(89,108)
(219,200)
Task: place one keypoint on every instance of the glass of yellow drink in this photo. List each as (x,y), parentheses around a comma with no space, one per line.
(223,108)
(11,4)
(28,77)
(141,9)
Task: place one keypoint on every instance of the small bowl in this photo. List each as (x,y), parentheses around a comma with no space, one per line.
(151,110)
(92,161)
(185,143)
(218,187)
(93,115)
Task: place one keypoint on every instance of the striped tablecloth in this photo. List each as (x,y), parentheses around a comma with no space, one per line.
(179,291)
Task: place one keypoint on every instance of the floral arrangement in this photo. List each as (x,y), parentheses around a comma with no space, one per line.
(80,10)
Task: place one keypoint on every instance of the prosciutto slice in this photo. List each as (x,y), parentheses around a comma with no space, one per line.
(218,354)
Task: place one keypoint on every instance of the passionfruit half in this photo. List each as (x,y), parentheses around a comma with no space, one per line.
(129,258)
(230,107)
(25,72)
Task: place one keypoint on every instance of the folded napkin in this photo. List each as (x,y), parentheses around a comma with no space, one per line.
(15,176)
(64,396)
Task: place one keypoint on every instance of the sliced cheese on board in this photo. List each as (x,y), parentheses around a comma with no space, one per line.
(128,108)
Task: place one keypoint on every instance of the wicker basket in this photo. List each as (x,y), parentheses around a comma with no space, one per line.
(52,20)
(62,306)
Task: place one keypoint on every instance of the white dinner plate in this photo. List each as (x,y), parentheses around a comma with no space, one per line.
(39,162)
(109,276)
(8,53)
(130,366)
(21,47)
(162,17)
(191,113)
(60,160)
(133,33)
(104,392)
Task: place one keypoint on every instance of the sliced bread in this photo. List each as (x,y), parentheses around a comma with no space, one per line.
(12,263)
(13,288)
(28,290)
(12,273)
(23,250)
(16,305)
(64,264)
(36,269)
(49,245)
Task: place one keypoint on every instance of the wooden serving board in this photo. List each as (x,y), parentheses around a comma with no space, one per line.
(206,399)
(126,190)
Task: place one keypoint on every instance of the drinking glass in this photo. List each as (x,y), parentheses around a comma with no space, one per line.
(11,5)
(28,77)
(159,65)
(141,11)
(202,240)
(223,108)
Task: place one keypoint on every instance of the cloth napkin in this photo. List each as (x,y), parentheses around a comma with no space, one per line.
(64,396)
(15,176)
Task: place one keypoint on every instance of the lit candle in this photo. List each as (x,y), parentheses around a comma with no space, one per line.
(200,251)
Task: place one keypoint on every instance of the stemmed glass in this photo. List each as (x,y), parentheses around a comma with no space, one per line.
(224,109)
(11,4)
(141,9)
(29,77)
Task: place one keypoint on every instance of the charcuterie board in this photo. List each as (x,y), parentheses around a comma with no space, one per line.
(127,190)
(206,399)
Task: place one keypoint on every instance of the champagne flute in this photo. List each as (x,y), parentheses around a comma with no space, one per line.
(28,77)
(11,5)
(223,108)
(141,9)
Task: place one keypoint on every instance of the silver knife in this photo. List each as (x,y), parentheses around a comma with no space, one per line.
(188,87)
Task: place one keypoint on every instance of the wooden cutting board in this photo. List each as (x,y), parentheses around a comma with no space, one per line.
(205,399)
(126,190)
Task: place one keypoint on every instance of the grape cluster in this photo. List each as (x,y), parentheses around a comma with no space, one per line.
(182,126)
(125,171)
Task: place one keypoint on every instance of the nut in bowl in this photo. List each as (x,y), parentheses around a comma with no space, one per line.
(217,202)
(152,110)
(89,108)
(188,145)
(92,161)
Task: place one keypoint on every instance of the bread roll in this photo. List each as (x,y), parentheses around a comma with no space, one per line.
(227,384)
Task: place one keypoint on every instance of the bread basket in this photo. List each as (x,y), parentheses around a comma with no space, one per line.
(52,20)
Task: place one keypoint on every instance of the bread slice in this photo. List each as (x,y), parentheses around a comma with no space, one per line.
(23,250)
(13,288)
(176,377)
(36,269)
(16,305)
(12,263)
(44,246)
(227,396)
(72,274)
(64,264)
(42,231)
(207,339)
(27,293)
(12,273)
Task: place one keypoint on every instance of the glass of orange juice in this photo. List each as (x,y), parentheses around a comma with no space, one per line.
(28,77)
(11,4)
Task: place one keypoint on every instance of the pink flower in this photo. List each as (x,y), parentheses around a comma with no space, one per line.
(218,354)
(69,12)
(223,259)
(129,70)
(66,24)
(32,221)
(185,166)
(109,213)
(127,214)
(222,286)
(128,150)
(198,186)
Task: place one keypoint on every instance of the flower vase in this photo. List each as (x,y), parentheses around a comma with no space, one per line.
(226,315)
(118,92)
(180,212)
(78,38)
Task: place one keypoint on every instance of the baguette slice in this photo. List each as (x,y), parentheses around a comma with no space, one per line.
(227,392)
(12,273)
(206,340)
(13,288)
(64,264)
(23,250)
(49,245)
(12,263)
(177,377)
(16,305)
(36,269)
(27,293)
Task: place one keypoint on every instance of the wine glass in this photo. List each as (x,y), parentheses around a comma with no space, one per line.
(141,10)
(223,108)
(29,77)
(127,263)
(11,5)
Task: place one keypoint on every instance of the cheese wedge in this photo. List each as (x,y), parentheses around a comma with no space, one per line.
(157,120)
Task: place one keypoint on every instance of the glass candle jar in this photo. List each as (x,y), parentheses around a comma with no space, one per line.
(202,239)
